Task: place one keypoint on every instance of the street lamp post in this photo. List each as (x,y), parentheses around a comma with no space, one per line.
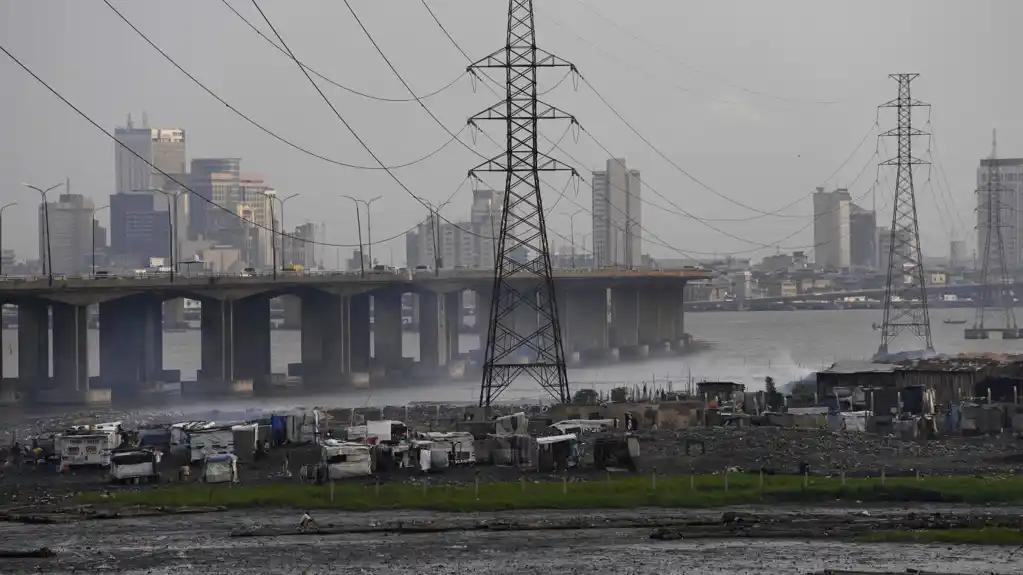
(358,224)
(48,261)
(284,229)
(369,223)
(2,208)
(93,268)
(171,235)
(571,231)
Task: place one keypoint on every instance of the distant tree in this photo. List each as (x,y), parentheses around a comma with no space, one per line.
(775,401)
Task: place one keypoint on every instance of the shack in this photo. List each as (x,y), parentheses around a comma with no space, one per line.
(900,387)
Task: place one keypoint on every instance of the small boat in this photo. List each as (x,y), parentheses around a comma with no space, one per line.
(875,326)
(955,321)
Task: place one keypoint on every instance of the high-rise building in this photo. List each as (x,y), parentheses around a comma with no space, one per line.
(163,148)
(617,217)
(213,180)
(298,252)
(137,231)
(831,234)
(1010,186)
(906,245)
(70,234)
(470,244)
(862,237)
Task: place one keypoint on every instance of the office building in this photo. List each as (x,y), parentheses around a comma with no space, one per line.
(298,252)
(617,217)
(470,244)
(831,234)
(212,180)
(862,237)
(138,231)
(161,147)
(70,234)
(1009,186)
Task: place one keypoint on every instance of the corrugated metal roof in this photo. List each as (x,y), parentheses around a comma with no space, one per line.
(859,366)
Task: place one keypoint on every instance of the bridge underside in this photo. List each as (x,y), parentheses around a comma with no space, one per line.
(349,338)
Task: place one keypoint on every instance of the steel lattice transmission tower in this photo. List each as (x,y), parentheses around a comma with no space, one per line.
(994,252)
(905,265)
(524,333)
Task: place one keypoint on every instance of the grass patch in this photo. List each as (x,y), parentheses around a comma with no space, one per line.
(985,536)
(628,492)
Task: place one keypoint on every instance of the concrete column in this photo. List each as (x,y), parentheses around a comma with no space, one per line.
(33,343)
(130,342)
(174,313)
(387,333)
(324,354)
(217,341)
(624,317)
(454,307)
(584,310)
(671,314)
(650,324)
(358,331)
(71,346)
(152,329)
(440,316)
(251,339)
(292,312)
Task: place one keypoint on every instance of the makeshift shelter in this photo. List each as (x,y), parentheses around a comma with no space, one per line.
(220,468)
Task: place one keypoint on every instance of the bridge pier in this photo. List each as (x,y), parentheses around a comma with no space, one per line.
(584,323)
(217,355)
(251,341)
(359,334)
(440,316)
(527,322)
(173,314)
(130,343)
(387,331)
(325,357)
(70,347)
(625,322)
(33,344)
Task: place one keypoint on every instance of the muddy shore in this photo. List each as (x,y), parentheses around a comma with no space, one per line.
(611,542)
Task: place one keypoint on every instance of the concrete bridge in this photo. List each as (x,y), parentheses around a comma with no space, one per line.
(604,314)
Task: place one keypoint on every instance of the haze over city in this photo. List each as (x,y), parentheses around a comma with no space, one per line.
(740,103)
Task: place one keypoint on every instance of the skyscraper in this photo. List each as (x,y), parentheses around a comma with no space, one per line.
(862,237)
(617,218)
(213,180)
(1010,184)
(164,148)
(831,234)
(71,229)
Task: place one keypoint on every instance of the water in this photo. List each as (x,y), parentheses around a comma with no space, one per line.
(745,347)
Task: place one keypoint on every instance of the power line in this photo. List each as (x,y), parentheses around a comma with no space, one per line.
(171,177)
(330,81)
(681,211)
(260,126)
(345,122)
(700,71)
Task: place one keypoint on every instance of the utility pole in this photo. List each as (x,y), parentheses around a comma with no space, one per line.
(522,243)
(990,195)
(905,264)
(358,224)
(48,256)
(93,274)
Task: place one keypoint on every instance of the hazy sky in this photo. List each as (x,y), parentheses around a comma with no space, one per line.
(725,88)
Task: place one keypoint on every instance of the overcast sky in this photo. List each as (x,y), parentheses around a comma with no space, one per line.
(730,90)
